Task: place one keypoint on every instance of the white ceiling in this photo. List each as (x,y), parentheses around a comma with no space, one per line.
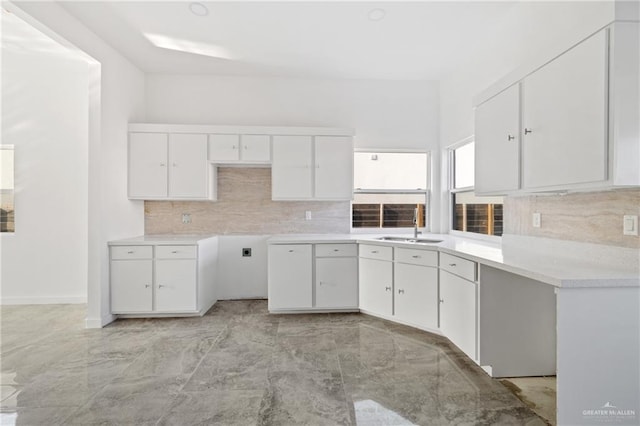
(414,41)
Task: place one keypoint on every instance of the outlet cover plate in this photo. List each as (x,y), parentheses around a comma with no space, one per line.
(536,220)
(630,225)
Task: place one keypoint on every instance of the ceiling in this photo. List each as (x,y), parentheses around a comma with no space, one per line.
(413,41)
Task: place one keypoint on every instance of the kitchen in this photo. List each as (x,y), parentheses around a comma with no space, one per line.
(381,113)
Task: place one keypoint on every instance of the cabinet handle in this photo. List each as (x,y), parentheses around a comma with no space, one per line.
(319,282)
(160,286)
(336,249)
(510,137)
(234,147)
(527,131)
(401,291)
(147,285)
(441,300)
(415,256)
(374,251)
(290,251)
(175,164)
(452,264)
(163,164)
(245,147)
(175,251)
(130,252)
(387,288)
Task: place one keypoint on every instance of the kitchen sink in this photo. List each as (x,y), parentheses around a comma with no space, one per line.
(410,240)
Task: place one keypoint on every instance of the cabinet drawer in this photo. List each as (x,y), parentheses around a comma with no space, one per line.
(456,265)
(416,257)
(336,250)
(376,252)
(131,252)
(176,252)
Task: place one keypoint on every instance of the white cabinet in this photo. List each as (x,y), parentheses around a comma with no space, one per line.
(497,143)
(291,171)
(131,285)
(290,276)
(306,167)
(293,285)
(565,118)
(176,285)
(168,166)
(336,280)
(163,279)
(458,302)
(233,148)
(334,168)
(148,156)
(376,286)
(416,287)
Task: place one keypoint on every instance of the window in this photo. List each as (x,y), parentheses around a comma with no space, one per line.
(470,213)
(7,221)
(389,187)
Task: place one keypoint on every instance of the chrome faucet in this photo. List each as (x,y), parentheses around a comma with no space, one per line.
(415,223)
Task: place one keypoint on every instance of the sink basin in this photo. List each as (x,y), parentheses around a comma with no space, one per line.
(410,240)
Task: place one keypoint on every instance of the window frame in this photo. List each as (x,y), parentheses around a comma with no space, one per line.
(451,191)
(426,192)
(11,147)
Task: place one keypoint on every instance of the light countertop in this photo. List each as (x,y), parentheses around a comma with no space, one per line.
(161,240)
(558,263)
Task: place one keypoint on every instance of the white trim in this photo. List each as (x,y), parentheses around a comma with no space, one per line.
(476,236)
(99,322)
(42,300)
(392,150)
(244,130)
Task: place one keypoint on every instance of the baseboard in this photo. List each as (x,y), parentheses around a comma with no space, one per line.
(100,322)
(42,300)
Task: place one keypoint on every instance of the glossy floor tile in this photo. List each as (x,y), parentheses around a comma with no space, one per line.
(239,365)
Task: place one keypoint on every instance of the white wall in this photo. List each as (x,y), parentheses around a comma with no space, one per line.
(116,98)
(385,114)
(45,260)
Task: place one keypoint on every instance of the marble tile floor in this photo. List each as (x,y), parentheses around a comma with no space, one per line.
(239,365)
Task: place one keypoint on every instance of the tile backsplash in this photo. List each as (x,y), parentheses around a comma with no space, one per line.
(593,217)
(244,206)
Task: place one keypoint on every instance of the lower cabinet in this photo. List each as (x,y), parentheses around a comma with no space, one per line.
(376,286)
(162,280)
(458,312)
(290,276)
(416,295)
(400,284)
(293,285)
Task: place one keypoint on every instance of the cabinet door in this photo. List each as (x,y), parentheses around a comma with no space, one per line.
(497,138)
(291,168)
(376,286)
(148,165)
(224,147)
(290,276)
(131,286)
(176,284)
(458,311)
(565,118)
(256,148)
(333,167)
(416,295)
(188,171)
(337,282)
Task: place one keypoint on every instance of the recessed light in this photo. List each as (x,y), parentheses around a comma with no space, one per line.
(377,14)
(198,9)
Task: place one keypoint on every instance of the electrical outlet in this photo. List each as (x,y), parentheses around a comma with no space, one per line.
(307,215)
(186,218)
(630,225)
(537,220)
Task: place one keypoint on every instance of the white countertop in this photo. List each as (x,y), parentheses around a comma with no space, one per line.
(161,240)
(554,262)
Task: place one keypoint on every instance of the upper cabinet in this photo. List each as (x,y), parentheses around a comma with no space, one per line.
(318,168)
(179,162)
(224,148)
(570,124)
(564,109)
(497,137)
(168,166)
